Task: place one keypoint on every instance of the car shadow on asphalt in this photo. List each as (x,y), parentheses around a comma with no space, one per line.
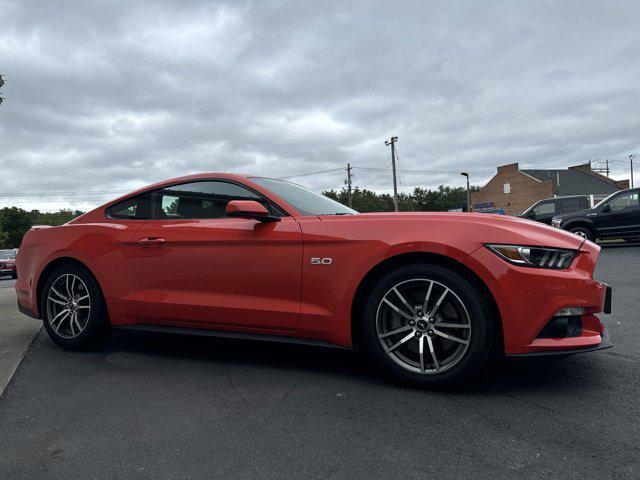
(507,375)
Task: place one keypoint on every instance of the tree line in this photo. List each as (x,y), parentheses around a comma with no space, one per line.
(15,221)
(443,198)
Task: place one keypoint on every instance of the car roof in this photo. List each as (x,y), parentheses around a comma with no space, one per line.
(241,178)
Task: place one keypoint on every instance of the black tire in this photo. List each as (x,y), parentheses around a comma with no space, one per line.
(14,275)
(97,328)
(481,332)
(585,232)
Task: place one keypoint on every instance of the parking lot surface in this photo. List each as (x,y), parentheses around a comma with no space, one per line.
(159,406)
(16,332)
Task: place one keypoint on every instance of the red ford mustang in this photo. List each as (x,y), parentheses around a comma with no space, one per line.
(430,296)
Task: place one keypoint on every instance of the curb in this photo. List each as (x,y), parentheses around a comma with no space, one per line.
(12,372)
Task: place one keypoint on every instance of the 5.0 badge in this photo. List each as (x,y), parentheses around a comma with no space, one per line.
(321,261)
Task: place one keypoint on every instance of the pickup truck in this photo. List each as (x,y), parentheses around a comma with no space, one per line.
(617,216)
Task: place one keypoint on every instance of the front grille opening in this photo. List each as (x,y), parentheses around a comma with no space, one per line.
(562,327)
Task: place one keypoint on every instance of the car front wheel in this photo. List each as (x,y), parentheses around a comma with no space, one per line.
(426,325)
(73,308)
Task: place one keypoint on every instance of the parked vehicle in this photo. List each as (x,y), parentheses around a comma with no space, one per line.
(617,216)
(544,210)
(8,263)
(430,296)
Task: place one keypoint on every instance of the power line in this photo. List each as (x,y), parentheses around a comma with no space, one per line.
(403,186)
(423,171)
(312,173)
(383,171)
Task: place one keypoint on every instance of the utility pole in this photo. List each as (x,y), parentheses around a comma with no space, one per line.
(1,84)
(348,182)
(392,142)
(631,157)
(469,209)
(601,169)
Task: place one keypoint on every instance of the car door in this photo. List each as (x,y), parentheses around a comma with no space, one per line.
(620,216)
(198,267)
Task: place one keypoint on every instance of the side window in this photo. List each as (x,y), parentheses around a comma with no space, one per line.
(136,208)
(545,208)
(206,199)
(570,204)
(628,201)
(584,204)
(169,206)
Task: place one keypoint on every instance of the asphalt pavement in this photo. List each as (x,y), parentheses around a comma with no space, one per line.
(159,406)
(16,332)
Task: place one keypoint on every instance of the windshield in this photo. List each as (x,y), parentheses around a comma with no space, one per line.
(305,201)
(7,254)
(530,209)
(602,202)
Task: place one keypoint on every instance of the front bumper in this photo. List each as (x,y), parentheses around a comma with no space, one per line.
(604,343)
(26,311)
(528,298)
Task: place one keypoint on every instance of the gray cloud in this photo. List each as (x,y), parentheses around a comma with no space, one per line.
(107,96)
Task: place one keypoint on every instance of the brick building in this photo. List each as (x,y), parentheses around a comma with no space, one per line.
(514,190)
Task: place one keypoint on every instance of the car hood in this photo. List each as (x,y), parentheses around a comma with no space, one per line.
(482,227)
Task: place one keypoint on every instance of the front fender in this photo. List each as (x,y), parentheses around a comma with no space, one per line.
(575,222)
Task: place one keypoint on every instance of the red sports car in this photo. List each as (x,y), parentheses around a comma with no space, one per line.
(8,263)
(430,296)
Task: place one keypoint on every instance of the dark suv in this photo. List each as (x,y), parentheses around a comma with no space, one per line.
(617,216)
(544,210)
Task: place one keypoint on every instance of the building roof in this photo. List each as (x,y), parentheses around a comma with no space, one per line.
(575,181)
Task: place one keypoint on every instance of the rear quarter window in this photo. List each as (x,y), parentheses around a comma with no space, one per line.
(136,208)
(570,204)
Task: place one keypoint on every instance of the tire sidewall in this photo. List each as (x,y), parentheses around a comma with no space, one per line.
(98,326)
(482,327)
(586,230)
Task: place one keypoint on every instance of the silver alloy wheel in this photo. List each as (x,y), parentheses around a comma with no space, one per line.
(68,306)
(418,309)
(580,233)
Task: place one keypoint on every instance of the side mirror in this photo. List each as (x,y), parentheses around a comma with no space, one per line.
(606,208)
(249,209)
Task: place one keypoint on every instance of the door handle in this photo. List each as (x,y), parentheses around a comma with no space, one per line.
(152,241)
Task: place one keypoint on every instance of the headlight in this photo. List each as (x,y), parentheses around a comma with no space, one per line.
(539,257)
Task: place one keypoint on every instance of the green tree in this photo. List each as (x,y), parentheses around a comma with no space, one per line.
(14,222)
(421,199)
(54,218)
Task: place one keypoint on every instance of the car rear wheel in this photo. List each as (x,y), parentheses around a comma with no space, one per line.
(426,325)
(73,309)
(584,232)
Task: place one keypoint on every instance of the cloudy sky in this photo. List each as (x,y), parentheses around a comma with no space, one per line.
(105,96)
